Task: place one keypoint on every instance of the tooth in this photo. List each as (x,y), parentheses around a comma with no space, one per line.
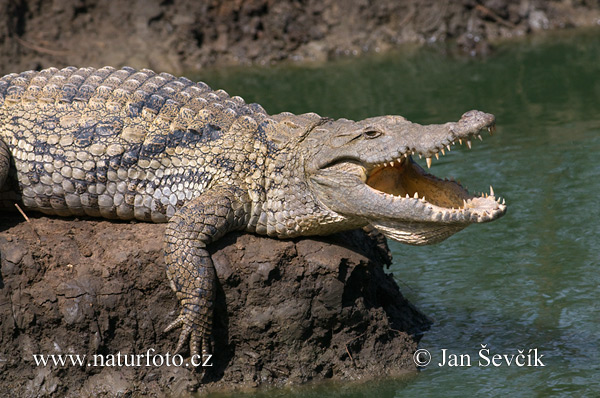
(420,157)
(446,215)
(392,163)
(443,152)
(491,191)
(437,156)
(416,196)
(423,198)
(448,146)
(479,136)
(428,163)
(464,204)
(460,141)
(503,201)
(407,196)
(469,143)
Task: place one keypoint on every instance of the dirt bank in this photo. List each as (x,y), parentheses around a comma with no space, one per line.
(178,36)
(287,311)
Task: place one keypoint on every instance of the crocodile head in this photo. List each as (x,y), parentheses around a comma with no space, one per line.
(366,170)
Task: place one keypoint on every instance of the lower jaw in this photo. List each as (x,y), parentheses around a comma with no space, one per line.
(417,233)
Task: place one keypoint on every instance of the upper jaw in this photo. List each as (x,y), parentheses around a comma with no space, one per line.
(431,140)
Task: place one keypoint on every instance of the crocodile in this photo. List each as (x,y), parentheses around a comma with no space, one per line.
(137,145)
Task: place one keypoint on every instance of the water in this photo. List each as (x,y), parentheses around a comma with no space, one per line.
(529,280)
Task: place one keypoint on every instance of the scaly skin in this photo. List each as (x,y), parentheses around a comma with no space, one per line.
(124,144)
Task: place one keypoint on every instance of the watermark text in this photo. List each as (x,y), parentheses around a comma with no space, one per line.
(521,358)
(149,358)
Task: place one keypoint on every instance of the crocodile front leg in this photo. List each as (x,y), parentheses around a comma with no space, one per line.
(190,269)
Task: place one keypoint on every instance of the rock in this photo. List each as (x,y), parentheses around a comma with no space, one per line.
(538,20)
(287,311)
(179,36)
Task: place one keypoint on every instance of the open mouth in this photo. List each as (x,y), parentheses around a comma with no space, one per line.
(404,179)
(407,179)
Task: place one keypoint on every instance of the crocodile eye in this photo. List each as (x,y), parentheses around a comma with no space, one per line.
(371,133)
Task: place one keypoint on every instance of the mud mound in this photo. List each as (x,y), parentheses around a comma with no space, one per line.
(287,311)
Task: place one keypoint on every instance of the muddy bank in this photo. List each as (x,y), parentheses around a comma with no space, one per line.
(287,311)
(179,36)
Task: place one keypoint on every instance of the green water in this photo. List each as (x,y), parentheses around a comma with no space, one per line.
(529,280)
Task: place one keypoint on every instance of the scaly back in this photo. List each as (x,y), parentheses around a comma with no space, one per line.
(122,143)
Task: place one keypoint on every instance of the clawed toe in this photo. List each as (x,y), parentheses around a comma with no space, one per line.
(190,330)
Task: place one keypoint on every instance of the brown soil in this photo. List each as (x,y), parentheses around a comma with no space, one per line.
(178,36)
(287,311)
